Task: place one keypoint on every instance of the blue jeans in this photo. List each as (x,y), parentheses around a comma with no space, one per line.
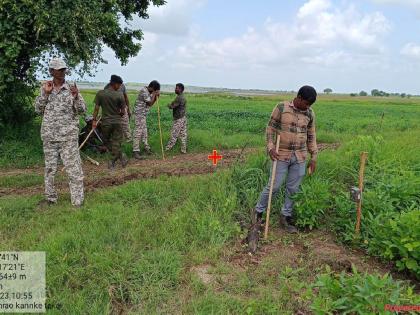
(295,172)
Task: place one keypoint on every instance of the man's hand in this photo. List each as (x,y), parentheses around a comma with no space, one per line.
(274,155)
(94,124)
(74,91)
(47,87)
(311,167)
(156,94)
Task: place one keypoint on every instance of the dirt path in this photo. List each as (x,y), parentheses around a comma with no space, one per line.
(99,176)
(308,250)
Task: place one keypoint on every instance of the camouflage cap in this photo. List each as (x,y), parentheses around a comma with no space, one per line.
(57,63)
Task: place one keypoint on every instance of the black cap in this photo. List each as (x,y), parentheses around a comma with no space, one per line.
(116,79)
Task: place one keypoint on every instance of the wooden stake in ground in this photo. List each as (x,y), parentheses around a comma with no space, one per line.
(363,157)
(160,129)
(270,195)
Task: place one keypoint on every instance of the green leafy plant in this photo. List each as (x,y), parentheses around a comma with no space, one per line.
(397,237)
(311,202)
(359,293)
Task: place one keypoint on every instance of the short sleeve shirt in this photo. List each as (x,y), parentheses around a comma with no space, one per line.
(121,89)
(179,106)
(142,105)
(112,103)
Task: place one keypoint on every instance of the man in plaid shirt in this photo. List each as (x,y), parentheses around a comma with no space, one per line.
(295,123)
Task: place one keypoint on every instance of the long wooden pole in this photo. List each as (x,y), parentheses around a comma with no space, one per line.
(270,195)
(89,134)
(160,129)
(363,157)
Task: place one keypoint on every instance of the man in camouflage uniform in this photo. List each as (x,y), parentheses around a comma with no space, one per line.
(145,100)
(127,113)
(179,128)
(60,104)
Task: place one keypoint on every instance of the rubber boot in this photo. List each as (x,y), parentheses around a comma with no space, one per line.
(137,156)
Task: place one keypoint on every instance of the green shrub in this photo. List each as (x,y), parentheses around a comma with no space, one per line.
(359,294)
(311,202)
(397,237)
(249,179)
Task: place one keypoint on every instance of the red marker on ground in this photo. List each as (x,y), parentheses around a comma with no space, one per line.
(215,157)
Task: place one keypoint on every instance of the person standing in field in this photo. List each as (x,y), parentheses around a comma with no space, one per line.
(127,113)
(60,104)
(295,123)
(145,100)
(179,128)
(113,108)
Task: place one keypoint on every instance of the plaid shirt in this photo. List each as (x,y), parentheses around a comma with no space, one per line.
(296,129)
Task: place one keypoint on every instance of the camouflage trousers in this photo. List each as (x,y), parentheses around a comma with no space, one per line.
(179,130)
(140,133)
(126,127)
(69,153)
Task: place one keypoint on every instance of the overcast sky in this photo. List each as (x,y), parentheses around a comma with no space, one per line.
(347,45)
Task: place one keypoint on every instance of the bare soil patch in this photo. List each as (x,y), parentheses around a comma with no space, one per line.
(100,177)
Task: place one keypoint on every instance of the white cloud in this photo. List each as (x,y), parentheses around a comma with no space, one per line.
(173,18)
(325,43)
(411,50)
(313,7)
(321,33)
(413,5)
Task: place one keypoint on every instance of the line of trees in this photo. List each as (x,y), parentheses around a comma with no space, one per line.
(374,92)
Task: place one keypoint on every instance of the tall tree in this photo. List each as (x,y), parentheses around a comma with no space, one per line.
(32,31)
(328,90)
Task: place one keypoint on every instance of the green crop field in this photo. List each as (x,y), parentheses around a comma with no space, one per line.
(171,245)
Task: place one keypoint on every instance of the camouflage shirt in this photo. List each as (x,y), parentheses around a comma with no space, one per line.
(60,114)
(143,101)
(179,106)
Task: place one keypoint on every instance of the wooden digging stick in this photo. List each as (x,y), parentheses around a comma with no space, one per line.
(89,134)
(90,159)
(160,129)
(270,195)
(363,157)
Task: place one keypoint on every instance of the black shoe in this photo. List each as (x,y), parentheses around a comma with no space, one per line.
(285,222)
(148,152)
(137,156)
(259,216)
(111,165)
(45,203)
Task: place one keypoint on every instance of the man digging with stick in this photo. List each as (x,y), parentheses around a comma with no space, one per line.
(60,104)
(113,109)
(127,113)
(294,122)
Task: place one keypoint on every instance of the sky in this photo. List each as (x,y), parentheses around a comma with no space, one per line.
(345,45)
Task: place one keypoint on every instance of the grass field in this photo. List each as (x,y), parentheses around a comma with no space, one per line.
(171,245)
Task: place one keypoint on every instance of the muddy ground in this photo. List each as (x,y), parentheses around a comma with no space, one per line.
(152,167)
